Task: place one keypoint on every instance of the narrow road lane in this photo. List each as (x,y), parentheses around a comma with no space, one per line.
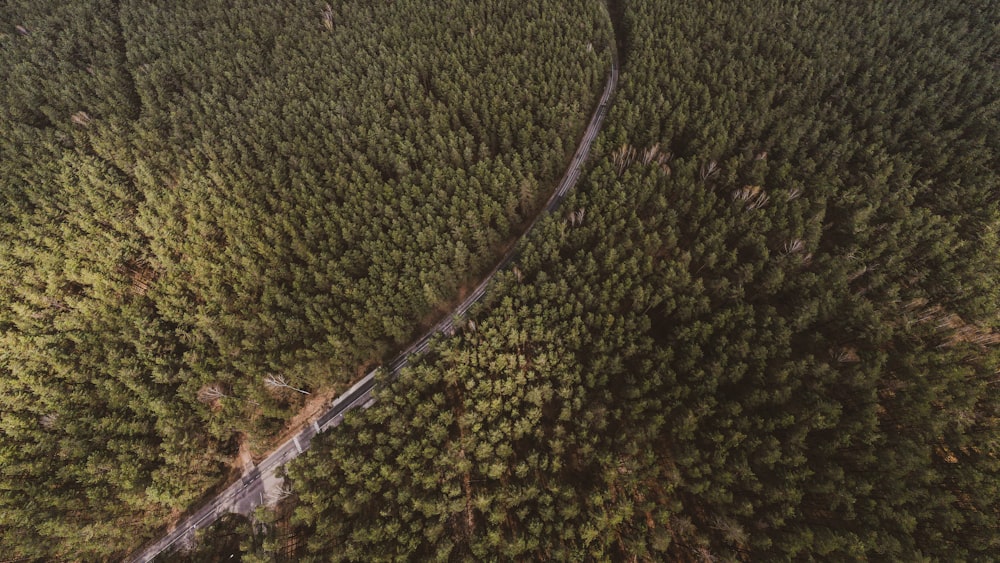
(251,490)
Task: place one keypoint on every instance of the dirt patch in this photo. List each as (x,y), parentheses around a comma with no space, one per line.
(244,459)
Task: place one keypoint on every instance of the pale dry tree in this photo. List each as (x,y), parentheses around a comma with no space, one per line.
(328,17)
(845,355)
(710,170)
(704,554)
(663,159)
(277,494)
(857,273)
(279,381)
(731,530)
(754,197)
(953,329)
(211,393)
(681,526)
(746,193)
(759,201)
(973,334)
(80,118)
(654,154)
(48,421)
(650,153)
(794,246)
(623,157)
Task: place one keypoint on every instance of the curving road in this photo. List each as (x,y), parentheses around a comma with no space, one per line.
(252,489)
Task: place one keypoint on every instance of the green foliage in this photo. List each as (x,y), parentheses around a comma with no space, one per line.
(763,328)
(194,195)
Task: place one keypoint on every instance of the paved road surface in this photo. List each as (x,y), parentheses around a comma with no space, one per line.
(252,489)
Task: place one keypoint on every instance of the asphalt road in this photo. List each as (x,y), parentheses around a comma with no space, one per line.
(251,490)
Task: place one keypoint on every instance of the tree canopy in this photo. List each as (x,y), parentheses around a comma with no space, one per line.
(196,195)
(763,328)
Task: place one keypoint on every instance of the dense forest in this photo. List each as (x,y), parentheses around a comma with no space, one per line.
(765,326)
(197,195)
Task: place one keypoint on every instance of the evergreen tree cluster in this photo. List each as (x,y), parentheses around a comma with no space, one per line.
(197,194)
(764,327)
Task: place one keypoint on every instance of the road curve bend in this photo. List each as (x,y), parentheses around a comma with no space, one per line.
(250,491)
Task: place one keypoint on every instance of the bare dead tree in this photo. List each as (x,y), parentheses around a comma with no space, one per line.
(710,170)
(731,530)
(754,197)
(273,496)
(623,157)
(328,17)
(211,393)
(845,355)
(48,421)
(794,246)
(279,381)
(80,118)
(650,153)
